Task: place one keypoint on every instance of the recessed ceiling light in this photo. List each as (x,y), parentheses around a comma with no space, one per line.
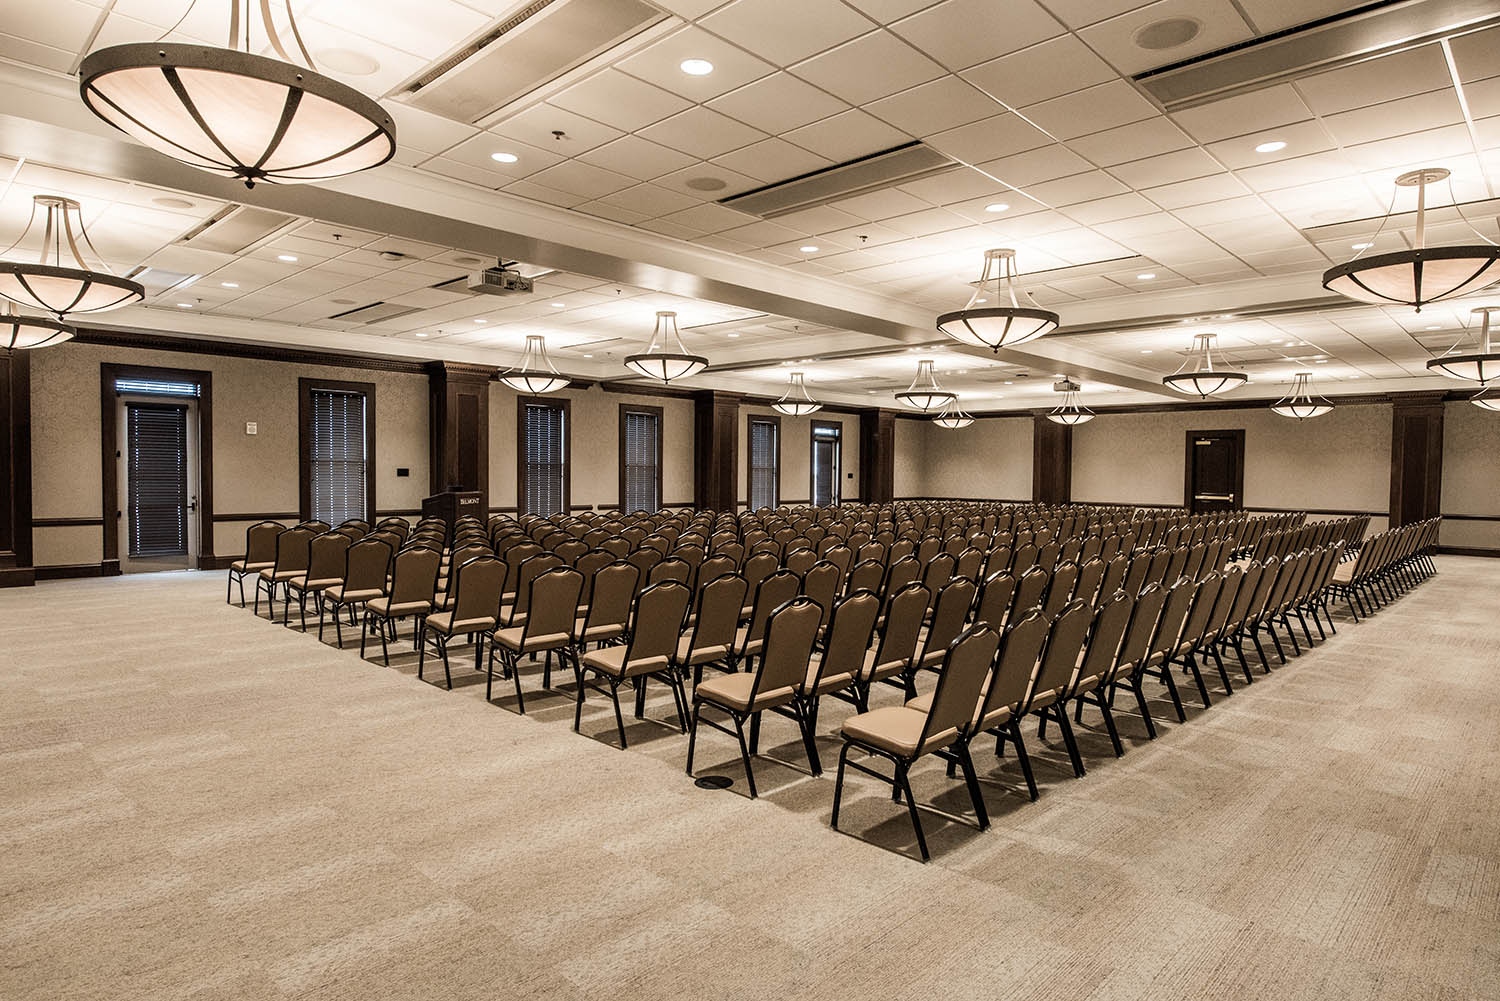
(558,305)
(288,258)
(420,334)
(1275,146)
(697,67)
(1145,276)
(1009,383)
(981,300)
(481,320)
(588,356)
(229,284)
(996,207)
(808,248)
(1320,361)
(1362,246)
(734,335)
(1145,351)
(184,305)
(1354,377)
(1435,327)
(504,157)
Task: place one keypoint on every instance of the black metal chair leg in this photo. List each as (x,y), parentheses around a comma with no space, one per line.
(1166,677)
(1023,758)
(1192,666)
(442,645)
(1140,700)
(693,742)
(614,694)
(1109,724)
(1072,744)
(911,806)
(739,731)
(838,785)
(972,781)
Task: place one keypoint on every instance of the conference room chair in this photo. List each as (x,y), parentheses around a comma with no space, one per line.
(903,735)
(900,632)
(1106,633)
(671,568)
(1054,677)
(1090,577)
(1163,642)
(950,613)
(1030,587)
(291,561)
(260,554)
(607,616)
(1060,589)
(473,609)
(655,626)
(551,600)
(993,606)
(787,649)
(710,640)
(800,561)
(326,556)
(515,607)
(412,593)
(770,594)
(367,564)
(868,575)
(1128,665)
(836,672)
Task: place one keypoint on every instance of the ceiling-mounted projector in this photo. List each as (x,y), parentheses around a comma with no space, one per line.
(499,280)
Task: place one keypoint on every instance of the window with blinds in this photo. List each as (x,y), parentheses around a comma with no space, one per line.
(338,455)
(156,440)
(827,448)
(765,462)
(544,458)
(640,459)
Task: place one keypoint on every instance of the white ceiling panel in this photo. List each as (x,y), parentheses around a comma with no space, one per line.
(1373,81)
(846,136)
(934,107)
(961,33)
(1041,72)
(661,63)
(785,31)
(1244,113)
(1125,40)
(638,158)
(702,132)
(870,67)
(778,103)
(620,100)
(1093,110)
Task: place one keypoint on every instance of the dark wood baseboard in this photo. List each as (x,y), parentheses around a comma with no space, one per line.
(72,571)
(17,576)
(1467,551)
(216,562)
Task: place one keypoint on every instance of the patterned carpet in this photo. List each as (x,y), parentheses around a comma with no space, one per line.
(201,804)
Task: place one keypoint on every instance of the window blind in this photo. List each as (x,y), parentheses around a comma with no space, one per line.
(545,462)
(826,447)
(338,456)
(156,437)
(640,456)
(765,463)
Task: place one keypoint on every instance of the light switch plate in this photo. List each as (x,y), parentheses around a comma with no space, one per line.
(251,427)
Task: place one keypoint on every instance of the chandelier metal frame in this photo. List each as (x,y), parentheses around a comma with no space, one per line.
(666,358)
(926,396)
(953,417)
(1204,380)
(1479,366)
(1299,403)
(995,327)
(1070,411)
(535,374)
(796,401)
(25,333)
(57,287)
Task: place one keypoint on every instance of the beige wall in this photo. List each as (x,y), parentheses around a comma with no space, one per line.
(796,454)
(595,438)
(990,458)
(910,473)
(1471,475)
(252,474)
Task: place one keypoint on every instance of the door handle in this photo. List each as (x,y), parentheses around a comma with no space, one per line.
(1215,497)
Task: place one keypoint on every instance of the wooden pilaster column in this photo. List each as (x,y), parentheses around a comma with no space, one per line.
(716,441)
(877,455)
(459,422)
(15,470)
(1051,461)
(1416,457)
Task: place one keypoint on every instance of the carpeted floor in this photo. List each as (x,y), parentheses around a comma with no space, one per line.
(200,804)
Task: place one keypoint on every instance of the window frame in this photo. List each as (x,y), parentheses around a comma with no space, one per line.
(812,472)
(305,389)
(566,406)
(774,421)
(660,415)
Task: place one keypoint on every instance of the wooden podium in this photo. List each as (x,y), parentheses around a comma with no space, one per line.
(450,505)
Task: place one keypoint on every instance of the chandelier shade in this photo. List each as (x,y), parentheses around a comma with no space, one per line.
(1481,364)
(953,417)
(20,333)
(1422,274)
(1203,380)
(62,281)
(1299,403)
(1485,401)
(1070,412)
(237,114)
(998,326)
(924,393)
(796,402)
(666,358)
(536,374)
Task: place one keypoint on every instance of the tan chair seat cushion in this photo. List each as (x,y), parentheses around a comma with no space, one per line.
(511,617)
(997,717)
(611,661)
(879,672)
(603,631)
(732,691)
(746,646)
(271,573)
(443,623)
(515,638)
(337,593)
(383,606)
(244,567)
(703,655)
(831,682)
(895,729)
(322,583)
(1344,572)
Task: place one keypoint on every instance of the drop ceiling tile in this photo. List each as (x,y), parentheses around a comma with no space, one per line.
(1093,110)
(1036,166)
(476,152)
(537,124)
(1302,139)
(620,100)
(1215,187)
(881,204)
(417,129)
(660,63)
(1083,187)
(1166,168)
(847,136)
(785,31)
(709,218)
(953,186)
(692,181)
(1245,113)
(926,222)
(820,219)
(1483,97)
(1385,78)
(773,160)
(1197,210)
(1474,54)
(778,103)
(868,68)
(989,139)
(933,107)
(888,11)
(1041,72)
(1122,40)
(542,193)
(1278,15)
(444,167)
(1121,206)
(1078,13)
(1147,138)
(649,200)
(960,33)
(637,157)
(1432,146)
(578,178)
(702,132)
(764,233)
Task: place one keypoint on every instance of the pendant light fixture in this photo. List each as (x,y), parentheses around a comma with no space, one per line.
(796,402)
(953,417)
(924,393)
(1423,274)
(1008,322)
(536,374)
(1485,401)
(62,281)
(19,332)
(1299,403)
(666,358)
(1070,412)
(1479,365)
(1203,380)
(237,114)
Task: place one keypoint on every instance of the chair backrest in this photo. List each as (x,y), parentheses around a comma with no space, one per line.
(1143,618)
(1230,582)
(1010,686)
(790,632)
(1204,597)
(1177,564)
(414,575)
(901,573)
(994,599)
(292,548)
(758,567)
(326,555)
(866,576)
(366,564)
(719,604)
(966,665)
(770,594)
(1029,589)
(948,618)
(903,624)
(821,584)
(850,629)
(670,568)
(1060,591)
(1115,572)
(589,564)
(1060,658)
(656,623)
(1090,576)
(260,541)
(800,561)
(1105,636)
(553,600)
(1173,615)
(477,585)
(939,571)
(529,571)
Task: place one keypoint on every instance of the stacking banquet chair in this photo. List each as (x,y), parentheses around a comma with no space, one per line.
(894,655)
(1205,595)
(473,607)
(837,669)
(655,626)
(1145,610)
(413,590)
(711,638)
(772,592)
(325,567)
(949,616)
(366,564)
(865,576)
(260,554)
(1163,641)
(1060,590)
(608,613)
(994,600)
(1111,618)
(552,600)
(903,734)
(1055,675)
(1232,633)
(821,583)
(291,561)
(1029,588)
(789,636)
(514,612)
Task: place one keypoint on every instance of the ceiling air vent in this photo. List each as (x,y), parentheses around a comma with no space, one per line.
(1367,32)
(235,229)
(845,180)
(536,45)
(373,313)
